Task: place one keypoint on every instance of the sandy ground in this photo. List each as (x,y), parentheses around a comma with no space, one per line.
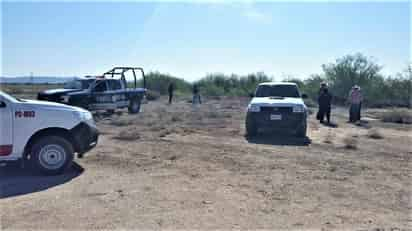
(176,167)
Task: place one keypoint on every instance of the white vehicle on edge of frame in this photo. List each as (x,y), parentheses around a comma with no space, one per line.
(43,134)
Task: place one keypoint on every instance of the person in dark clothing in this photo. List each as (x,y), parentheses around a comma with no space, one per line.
(196,95)
(325,101)
(323,85)
(170,90)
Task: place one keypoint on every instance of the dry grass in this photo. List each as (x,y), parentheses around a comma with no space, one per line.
(26,90)
(329,137)
(177,118)
(121,121)
(127,135)
(152,95)
(350,142)
(403,116)
(165,132)
(374,134)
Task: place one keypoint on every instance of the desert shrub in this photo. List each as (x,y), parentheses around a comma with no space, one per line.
(120,122)
(402,116)
(127,135)
(18,90)
(213,114)
(218,84)
(310,102)
(152,95)
(159,82)
(176,118)
(329,137)
(350,142)
(374,134)
(165,132)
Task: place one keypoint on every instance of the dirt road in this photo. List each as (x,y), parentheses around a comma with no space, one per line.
(175,167)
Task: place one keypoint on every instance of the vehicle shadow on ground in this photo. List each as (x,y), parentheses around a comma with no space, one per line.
(272,139)
(15,181)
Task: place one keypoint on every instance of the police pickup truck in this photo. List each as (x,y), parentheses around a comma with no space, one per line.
(44,135)
(277,106)
(104,92)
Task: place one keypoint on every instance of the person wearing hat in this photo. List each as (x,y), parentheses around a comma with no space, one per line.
(355,100)
(325,102)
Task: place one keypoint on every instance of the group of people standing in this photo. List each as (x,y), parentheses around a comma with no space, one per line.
(355,99)
(195,90)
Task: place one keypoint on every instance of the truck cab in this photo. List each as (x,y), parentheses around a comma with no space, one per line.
(45,135)
(277,106)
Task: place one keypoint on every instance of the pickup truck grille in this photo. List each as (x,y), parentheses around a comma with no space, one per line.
(282,110)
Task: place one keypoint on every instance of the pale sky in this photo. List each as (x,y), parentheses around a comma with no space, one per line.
(191,39)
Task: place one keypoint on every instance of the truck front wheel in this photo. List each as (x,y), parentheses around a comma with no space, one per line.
(52,155)
(301,132)
(134,106)
(251,128)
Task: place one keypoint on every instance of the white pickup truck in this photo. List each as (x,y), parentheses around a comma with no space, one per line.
(277,106)
(42,134)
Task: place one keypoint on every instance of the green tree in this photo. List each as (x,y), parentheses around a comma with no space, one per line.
(350,70)
(311,86)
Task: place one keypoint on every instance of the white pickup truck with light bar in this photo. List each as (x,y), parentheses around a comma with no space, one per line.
(277,106)
(43,134)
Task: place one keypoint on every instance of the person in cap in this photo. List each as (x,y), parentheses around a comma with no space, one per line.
(325,102)
(355,100)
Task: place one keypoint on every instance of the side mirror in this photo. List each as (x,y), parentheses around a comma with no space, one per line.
(2,104)
(304,96)
(251,95)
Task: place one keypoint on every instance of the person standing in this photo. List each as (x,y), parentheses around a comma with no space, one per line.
(170,90)
(355,100)
(323,85)
(196,95)
(325,101)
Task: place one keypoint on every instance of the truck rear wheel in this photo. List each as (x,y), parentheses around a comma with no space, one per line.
(134,106)
(52,155)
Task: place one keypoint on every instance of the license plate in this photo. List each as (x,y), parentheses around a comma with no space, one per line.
(275,117)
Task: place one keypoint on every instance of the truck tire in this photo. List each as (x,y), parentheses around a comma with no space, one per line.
(52,155)
(251,128)
(301,132)
(134,106)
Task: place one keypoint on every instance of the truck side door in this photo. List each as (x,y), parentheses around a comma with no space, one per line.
(6,128)
(101,97)
(118,93)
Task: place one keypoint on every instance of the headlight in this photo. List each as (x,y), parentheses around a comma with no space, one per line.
(84,115)
(254,108)
(87,115)
(298,109)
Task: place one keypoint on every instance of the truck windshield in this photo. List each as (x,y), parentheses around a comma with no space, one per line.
(78,84)
(277,91)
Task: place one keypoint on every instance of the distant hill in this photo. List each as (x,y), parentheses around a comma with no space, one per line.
(35,79)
